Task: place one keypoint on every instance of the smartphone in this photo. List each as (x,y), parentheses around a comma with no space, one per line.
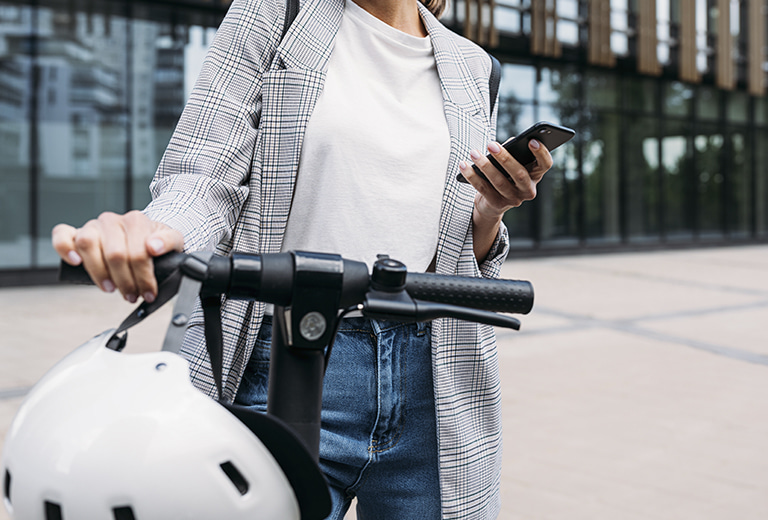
(549,134)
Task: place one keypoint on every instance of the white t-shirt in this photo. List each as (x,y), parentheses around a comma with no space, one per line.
(375,153)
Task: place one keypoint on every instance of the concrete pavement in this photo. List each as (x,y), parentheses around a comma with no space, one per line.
(637,389)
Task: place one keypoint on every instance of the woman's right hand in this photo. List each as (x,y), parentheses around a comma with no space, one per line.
(117,251)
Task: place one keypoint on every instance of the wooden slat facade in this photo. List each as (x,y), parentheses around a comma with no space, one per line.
(600,52)
(479,22)
(756,47)
(725,75)
(647,39)
(544,40)
(687,47)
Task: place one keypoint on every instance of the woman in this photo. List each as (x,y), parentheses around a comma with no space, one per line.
(344,137)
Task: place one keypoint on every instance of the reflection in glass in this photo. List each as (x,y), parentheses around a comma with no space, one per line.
(517,82)
(739,200)
(558,198)
(642,159)
(677,167)
(738,107)
(678,99)
(708,106)
(601,90)
(600,164)
(15,77)
(559,86)
(761,184)
(708,146)
(640,94)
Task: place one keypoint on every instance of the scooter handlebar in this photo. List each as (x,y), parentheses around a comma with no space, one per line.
(513,296)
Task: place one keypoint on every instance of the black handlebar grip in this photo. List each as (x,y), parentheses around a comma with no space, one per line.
(165,265)
(479,293)
(74,274)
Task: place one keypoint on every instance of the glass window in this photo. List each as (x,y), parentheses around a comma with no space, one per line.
(761,184)
(601,90)
(738,107)
(678,99)
(517,82)
(640,94)
(559,86)
(600,164)
(677,167)
(558,198)
(83,134)
(620,27)
(513,118)
(708,145)
(15,133)
(642,193)
(708,104)
(738,188)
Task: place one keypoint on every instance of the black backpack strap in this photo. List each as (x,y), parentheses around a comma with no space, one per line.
(291,10)
(494,81)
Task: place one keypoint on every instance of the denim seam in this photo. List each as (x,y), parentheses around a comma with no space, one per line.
(397,433)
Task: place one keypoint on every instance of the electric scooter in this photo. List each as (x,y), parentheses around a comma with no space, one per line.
(107,435)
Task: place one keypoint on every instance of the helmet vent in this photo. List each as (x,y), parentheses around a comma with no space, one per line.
(7,486)
(123,513)
(235,476)
(52,511)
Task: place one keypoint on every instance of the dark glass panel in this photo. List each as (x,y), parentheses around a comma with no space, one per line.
(517,82)
(738,107)
(600,164)
(15,134)
(601,90)
(640,94)
(761,184)
(642,159)
(738,187)
(708,146)
(678,99)
(560,86)
(708,103)
(677,166)
(558,198)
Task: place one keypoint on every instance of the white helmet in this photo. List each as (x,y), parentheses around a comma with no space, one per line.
(106,435)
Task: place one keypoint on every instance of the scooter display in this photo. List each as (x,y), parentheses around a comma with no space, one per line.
(107,435)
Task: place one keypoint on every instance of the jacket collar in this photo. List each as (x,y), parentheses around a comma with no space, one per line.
(309,42)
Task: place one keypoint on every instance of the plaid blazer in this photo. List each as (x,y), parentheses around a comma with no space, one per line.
(226,182)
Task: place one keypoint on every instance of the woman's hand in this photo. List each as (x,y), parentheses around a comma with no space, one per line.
(497,194)
(117,251)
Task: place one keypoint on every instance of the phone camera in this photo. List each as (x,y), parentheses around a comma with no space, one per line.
(545,131)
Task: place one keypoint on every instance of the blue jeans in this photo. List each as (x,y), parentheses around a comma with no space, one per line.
(378,440)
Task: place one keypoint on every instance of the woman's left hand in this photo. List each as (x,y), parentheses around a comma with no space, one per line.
(497,194)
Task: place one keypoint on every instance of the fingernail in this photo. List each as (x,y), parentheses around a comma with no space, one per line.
(108,286)
(475,155)
(494,147)
(535,144)
(149,297)
(74,258)
(156,245)
(462,165)
(131,298)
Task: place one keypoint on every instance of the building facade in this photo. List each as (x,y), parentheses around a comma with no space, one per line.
(667,98)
